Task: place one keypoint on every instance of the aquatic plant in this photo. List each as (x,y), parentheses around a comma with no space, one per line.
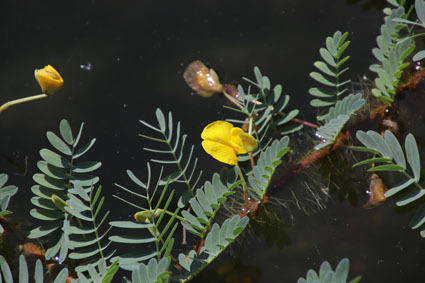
(6,193)
(420,22)
(330,72)
(69,201)
(327,275)
(393,48)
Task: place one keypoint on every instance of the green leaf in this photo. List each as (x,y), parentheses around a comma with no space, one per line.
(372,160)
(57,143)
(341,271)
(61,277)
(38,273)
(5,270)
(54,158)
(85,167)
(419,218)
(320,92)
(412,154)
(387,167)
(327,56)
(324,68)
(23,270)
(131,239)
(395,148)
(43,230)
(52,171)
(81,151)
(321,103)
(66,132)
(411,197)
(420,10)
(398,188)
(322,79)
(419,56)
(161,119)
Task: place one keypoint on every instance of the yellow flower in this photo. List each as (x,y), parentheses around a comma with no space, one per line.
(224,142)
(49,79)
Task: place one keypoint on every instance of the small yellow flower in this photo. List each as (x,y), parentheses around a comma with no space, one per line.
(49,79)
(224,142)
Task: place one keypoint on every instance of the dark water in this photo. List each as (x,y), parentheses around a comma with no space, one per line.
(122,60)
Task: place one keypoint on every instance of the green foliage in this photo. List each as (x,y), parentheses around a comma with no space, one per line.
(161,235)
(267,110)
(6,193)
(103,273)
(154,272)
(330,131)
(262,174)
(175,148)
(85,240)
(24,276)
(392,158)
(330,71)
(327,275)
(420,13)
(208,201)
(60,174)
(336,119)
(216,242)
(391,51)
(348,106)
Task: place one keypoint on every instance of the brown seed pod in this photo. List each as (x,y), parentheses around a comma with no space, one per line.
(231,90)
(377,190)
(201,79)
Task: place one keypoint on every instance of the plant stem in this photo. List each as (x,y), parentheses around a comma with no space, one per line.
(21,100)
(305,123)
(233,100)
(244,186)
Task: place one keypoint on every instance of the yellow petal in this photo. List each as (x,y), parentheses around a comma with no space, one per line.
(49,79)
(218,131)
(242,142)
(221,152)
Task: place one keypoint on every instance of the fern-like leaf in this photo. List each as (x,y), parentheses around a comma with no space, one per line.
(6,193)
(153,272)
(330,131)
(327,275)
(208,201)
(85,239)
(267,108)
(174,153)
(330,71)
(349,105)
(391,52)
(154,205)
(100,272)
(262,174)
(216,242)
(60,173)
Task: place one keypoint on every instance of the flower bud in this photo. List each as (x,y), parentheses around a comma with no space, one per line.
(59,203)
(49,79)
(146,215)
